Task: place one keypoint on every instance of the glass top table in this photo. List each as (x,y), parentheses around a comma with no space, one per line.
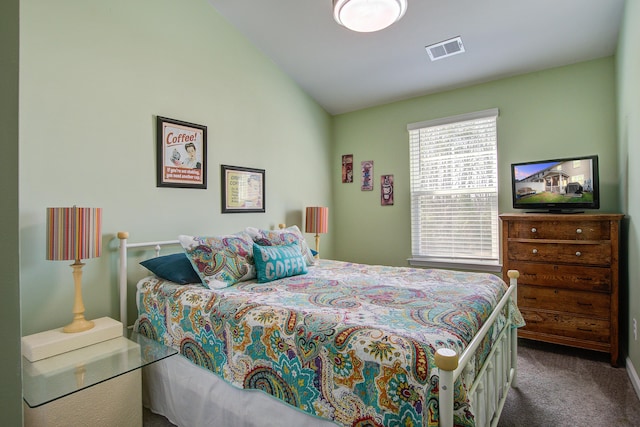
(49,379)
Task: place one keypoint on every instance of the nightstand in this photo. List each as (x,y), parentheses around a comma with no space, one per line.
(97,385)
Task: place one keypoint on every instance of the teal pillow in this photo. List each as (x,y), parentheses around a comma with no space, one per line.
(285,236)
(175,268)
(276,262)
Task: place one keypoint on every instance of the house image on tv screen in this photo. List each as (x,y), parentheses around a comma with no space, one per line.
(554,182)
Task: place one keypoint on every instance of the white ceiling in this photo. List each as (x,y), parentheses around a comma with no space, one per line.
(346,71)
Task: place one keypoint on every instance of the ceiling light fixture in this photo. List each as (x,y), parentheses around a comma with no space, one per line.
(366,16)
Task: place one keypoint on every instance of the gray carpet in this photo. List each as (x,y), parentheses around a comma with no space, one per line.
(561,386)
(557,387)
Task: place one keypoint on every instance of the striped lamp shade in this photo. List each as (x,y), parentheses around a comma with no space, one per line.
(74,233)
(317,220)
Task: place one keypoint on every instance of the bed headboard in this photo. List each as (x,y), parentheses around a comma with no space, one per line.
(122,267)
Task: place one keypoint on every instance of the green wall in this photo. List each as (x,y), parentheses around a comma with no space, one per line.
(10,359)
(559,112)
(628,78)
(94,75)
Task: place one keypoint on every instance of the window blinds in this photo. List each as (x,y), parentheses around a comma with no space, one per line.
(454,189)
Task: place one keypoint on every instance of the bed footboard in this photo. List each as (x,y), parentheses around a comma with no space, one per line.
(498,373)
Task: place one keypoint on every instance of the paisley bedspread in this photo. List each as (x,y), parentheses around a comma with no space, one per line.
(348,342)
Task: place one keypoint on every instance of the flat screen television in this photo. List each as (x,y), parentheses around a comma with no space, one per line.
(558,185)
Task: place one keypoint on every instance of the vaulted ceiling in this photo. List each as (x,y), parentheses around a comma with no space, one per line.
(346,71)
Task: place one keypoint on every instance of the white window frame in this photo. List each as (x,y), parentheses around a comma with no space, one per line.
(441,241)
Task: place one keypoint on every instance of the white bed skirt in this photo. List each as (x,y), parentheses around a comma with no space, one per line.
(190,396)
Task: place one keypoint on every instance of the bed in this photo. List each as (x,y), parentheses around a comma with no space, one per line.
(338,344)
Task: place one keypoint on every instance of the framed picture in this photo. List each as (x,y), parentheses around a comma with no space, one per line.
(242,189)
(181,154)
(386,190)
(366,169)
(347,168)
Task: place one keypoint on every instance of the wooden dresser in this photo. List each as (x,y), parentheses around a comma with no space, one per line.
(568,285)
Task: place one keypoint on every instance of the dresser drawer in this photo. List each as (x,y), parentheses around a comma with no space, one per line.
(564,276)
(592,304)
(571,253)
(566,325)
(561,230)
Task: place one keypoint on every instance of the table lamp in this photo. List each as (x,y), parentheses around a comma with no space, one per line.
(75,234)
(317,220)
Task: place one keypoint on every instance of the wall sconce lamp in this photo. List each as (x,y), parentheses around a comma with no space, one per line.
(366,16)
(75,234)
(317,221)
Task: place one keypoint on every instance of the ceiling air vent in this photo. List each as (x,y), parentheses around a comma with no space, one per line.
(446,48)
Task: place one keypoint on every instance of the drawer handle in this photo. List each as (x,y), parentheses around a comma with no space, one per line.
(532,298)
(535,251)
(585,304)
(578,253)
(533,230)
(585,329)
(579,231)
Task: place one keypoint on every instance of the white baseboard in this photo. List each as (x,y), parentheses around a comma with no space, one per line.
(633,376)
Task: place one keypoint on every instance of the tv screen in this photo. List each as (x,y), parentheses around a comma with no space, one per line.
(557,185)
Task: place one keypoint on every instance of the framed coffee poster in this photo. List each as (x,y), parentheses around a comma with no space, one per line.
(181,154)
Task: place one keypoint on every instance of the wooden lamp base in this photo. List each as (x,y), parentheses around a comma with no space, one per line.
(317,246)
(79,323)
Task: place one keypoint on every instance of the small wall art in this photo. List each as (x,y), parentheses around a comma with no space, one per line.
(181,154)
(347,168)
(386,190)
(242,189)
(366,169)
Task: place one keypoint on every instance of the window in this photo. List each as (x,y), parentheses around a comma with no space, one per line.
(454,191)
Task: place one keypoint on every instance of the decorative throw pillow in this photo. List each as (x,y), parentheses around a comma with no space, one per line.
(220,261)
(276,262)
(286,236)
(175,267)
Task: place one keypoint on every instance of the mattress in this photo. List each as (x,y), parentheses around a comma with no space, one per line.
(347,342)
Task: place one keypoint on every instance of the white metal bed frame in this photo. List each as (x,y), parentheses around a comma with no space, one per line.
(489,390)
